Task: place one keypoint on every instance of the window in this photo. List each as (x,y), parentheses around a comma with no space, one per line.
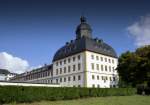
(60,79)
(110,68)
(79,77)
(111,86)
(98,86)
(114,79)
(64,69)
(97,77)
(64,79)
(102,68)
(68,68)
(109,60)
(74,58)
(79,66)
(74,67)
(92,56)
(48,73)
(105,68)
(97,57)
(114,86)
(92,64)
(60,62)
(56,80)
(48,81)
(102,78)
(113,68)
(78,57)
(106,78)
(60,70)
(56,63)
(101,58)
(93,86)
(110,78)
(64,61)
(112,61)
(56,71)
(69,79)
(68,60)
(74,78)
(97,65)
(105,59)
(93,77)
(79,86)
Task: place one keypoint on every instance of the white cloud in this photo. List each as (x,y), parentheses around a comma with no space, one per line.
(140,31)
(13,64)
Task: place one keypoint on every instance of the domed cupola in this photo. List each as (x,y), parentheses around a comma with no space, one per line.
(84,42)
(83,29)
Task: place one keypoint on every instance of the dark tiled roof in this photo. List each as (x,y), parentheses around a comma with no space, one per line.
(43,68)
(83,44)
(37,70)
(3,71)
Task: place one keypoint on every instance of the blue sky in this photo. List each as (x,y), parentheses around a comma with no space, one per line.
(33,30)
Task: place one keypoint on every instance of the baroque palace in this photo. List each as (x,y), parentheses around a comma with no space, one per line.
(82,62)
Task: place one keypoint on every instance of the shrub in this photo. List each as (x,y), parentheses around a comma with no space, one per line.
(143,90)
(29,94)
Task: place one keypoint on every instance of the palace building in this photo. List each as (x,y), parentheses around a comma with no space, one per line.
(82,62)
(6,75)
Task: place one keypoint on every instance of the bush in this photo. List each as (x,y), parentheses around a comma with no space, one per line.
(143,90)
(29,94)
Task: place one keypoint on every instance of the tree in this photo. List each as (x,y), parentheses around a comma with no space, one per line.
(134,67)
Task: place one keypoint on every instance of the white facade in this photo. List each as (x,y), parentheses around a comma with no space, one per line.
(2,77)
(42,75)
(100,71)
(86,69)
(9,76)
(69,71)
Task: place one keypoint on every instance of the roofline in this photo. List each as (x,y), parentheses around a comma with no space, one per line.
(34,71)
(83,51)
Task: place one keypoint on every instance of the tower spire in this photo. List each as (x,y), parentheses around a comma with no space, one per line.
(83,19)
(83,29)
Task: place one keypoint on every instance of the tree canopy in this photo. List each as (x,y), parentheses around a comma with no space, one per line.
(134,67)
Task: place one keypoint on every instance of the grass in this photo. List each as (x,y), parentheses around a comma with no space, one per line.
(114,100)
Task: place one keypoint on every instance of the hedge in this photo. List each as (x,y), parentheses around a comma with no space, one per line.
(9,94)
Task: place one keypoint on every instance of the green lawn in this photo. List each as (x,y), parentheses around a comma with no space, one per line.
(114,100)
